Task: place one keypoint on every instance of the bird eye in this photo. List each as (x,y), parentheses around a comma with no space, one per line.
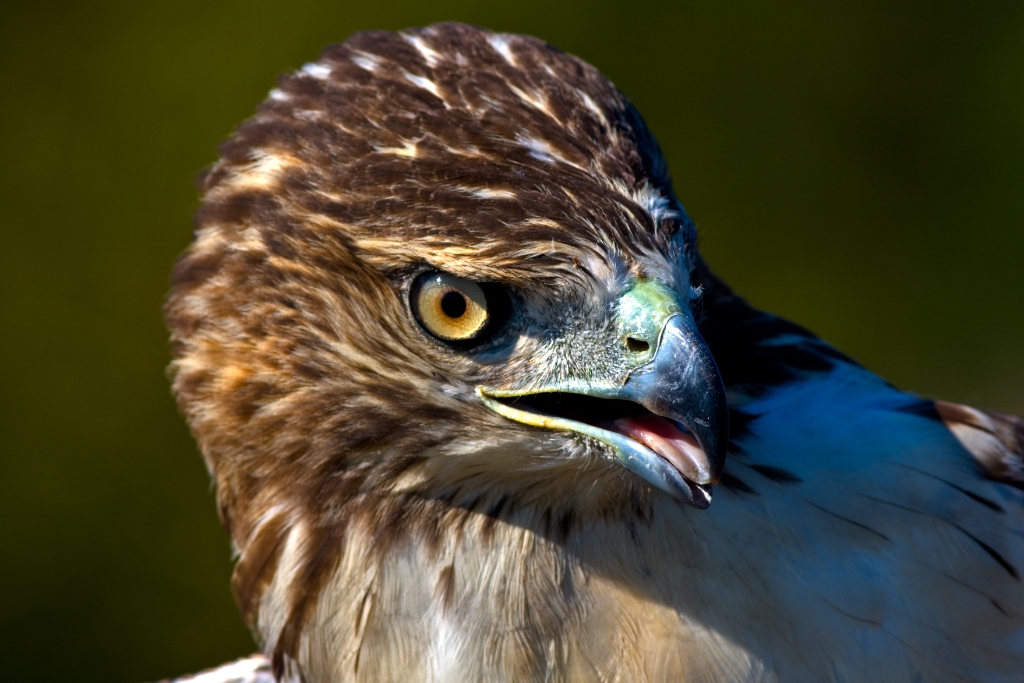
(450,307)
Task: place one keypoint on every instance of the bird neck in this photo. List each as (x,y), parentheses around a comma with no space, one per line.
(518,592)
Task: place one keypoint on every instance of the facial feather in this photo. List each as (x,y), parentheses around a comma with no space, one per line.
(305,379)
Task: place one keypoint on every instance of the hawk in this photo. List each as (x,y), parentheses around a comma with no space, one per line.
(477,410)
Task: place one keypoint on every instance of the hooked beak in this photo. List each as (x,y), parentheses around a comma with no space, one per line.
(682,384)
(673,432)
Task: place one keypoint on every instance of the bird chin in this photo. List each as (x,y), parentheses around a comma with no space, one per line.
(655,448)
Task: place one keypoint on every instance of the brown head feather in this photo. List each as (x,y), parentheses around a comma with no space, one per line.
(315,397)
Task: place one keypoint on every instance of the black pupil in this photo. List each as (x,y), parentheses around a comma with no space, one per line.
(453,304)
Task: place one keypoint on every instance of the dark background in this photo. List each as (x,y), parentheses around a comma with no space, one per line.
(856,169)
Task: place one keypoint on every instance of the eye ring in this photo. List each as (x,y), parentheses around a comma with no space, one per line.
(450,307)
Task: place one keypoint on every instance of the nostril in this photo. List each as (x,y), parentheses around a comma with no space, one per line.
(637,345)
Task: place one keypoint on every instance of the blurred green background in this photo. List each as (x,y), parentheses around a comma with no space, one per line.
(858,169)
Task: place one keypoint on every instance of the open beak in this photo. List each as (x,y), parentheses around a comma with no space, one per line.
(668,423)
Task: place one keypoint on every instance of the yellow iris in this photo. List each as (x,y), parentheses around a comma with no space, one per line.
(450,307)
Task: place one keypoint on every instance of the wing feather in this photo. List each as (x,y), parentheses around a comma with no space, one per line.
(996,440)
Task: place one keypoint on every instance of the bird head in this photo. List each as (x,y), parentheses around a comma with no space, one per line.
(443,262)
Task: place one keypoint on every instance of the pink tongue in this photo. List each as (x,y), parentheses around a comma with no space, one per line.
(665,439)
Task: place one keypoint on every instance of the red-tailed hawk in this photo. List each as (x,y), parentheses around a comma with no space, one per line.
(466,388)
